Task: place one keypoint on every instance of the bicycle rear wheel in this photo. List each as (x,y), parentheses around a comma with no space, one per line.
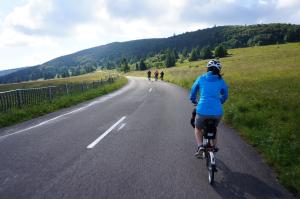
(211,170)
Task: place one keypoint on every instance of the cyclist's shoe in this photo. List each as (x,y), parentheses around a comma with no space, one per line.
(215,149)
(215,169)
(199,151)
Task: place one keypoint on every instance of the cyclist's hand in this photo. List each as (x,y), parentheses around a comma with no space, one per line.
(195,102)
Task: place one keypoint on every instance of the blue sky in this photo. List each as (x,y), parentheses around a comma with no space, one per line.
(35,31)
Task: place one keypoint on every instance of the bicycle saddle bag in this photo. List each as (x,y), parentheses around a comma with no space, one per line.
(210,128)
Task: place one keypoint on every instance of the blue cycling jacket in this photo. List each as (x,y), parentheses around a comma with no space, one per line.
(213,93)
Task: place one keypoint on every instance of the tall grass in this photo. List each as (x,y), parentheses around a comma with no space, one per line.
(264,102)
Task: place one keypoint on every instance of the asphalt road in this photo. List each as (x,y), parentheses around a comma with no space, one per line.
(134,143)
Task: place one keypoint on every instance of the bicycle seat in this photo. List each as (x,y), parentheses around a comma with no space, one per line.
(210,128)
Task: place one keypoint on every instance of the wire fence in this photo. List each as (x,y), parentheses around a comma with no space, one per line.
(24,97)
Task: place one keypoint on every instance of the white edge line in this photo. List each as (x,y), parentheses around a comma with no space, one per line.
(93,144)
(122,125)
(42,123)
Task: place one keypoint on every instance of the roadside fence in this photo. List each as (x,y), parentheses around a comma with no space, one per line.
(24,97)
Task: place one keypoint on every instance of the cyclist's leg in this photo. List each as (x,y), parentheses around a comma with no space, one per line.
(214,141)
(199,122)
(199,140)
(199,136)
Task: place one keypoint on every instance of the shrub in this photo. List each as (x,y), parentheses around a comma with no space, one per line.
(220,51)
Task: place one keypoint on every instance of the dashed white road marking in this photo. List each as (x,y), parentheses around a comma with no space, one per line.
(122,125)
(93,144)
(150,90)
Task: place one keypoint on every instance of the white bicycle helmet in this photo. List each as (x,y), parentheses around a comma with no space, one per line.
(214,63)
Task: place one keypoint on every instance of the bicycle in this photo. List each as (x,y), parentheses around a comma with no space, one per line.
(209,133)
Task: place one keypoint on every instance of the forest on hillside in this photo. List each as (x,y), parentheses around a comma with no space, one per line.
(161,52)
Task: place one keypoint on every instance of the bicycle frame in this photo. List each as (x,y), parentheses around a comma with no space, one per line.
(208,150)
(209,154)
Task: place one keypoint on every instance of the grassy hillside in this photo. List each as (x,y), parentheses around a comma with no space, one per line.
(110,55)
(263,102)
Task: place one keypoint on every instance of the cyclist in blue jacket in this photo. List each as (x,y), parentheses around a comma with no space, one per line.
(213,92)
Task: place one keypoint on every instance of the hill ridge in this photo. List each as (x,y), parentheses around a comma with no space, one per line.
(110,55)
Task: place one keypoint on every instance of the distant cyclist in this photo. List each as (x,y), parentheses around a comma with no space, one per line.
(213,92)
(156,75)
(149,75)
(162,75)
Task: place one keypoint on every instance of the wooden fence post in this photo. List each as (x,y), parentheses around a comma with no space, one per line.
(19,98)
(50,93)
(67,89)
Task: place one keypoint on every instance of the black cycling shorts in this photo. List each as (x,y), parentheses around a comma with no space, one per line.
(199,121)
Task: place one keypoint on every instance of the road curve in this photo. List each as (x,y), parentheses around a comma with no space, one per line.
(134,143)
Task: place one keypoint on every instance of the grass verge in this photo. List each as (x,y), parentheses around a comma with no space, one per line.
(263,104)
(20,115)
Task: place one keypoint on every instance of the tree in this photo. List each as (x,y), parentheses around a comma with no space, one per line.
(263,39)
(110,65)
(142,65)
(65,73)
(137,66)
(77,71)
(193,56)
(89,68)
(206,53)
(292,35)
(198,51)
(175,53)
(184,52)
(170,59)
(220,51)
(124,65)
(181,59)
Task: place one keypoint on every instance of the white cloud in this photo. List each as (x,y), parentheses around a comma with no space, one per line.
(288,4)
(29,16)
(263,2)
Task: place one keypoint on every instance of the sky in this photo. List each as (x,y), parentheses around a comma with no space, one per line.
(35,31)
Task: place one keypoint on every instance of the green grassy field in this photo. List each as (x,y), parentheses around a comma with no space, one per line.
(264,102)
(52,82)
(18,115)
